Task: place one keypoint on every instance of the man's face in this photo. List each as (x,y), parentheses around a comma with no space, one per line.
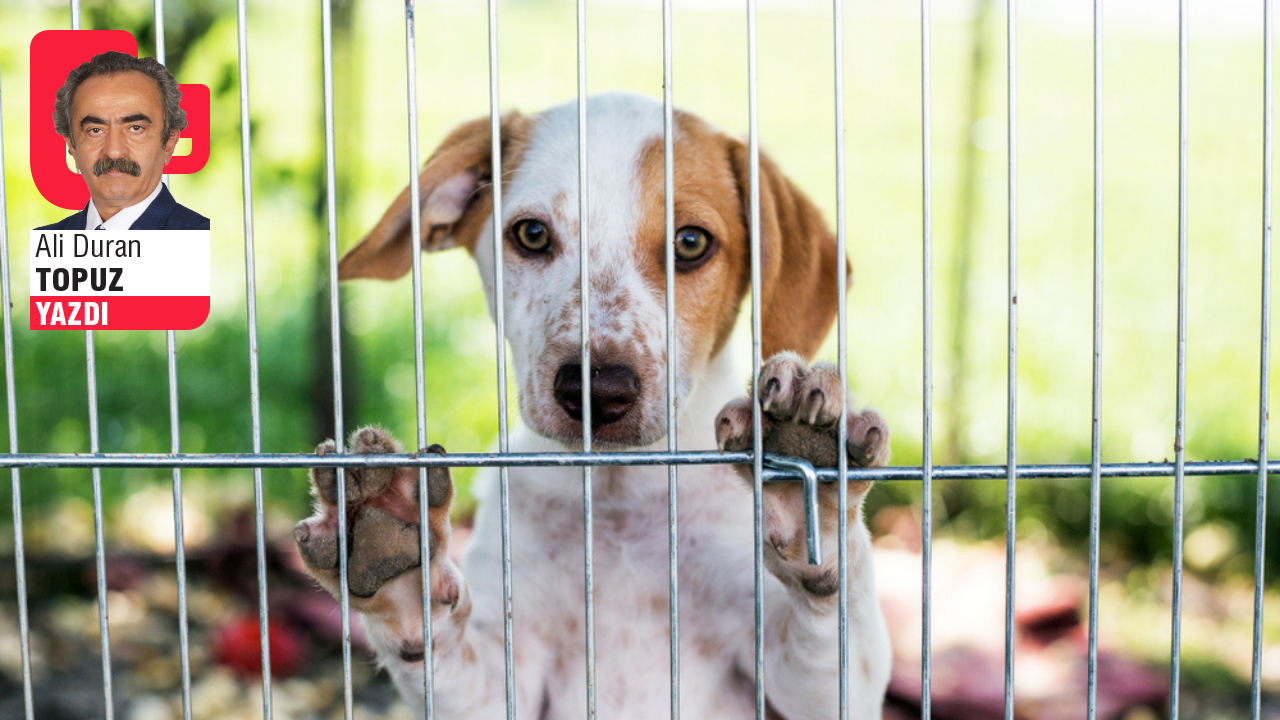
(117,122)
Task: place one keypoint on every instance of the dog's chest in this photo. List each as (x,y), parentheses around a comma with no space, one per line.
(631,579)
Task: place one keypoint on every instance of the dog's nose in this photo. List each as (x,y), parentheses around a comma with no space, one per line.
(614,389)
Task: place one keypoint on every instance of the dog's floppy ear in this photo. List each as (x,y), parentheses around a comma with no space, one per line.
(798,260)
(454,194)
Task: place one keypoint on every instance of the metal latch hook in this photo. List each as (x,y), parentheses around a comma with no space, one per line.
(810,478)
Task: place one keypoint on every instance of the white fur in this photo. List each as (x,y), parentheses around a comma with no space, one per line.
(630,503)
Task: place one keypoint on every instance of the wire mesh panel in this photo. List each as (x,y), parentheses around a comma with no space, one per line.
(765,469)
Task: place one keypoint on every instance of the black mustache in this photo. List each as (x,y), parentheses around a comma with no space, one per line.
(124,165)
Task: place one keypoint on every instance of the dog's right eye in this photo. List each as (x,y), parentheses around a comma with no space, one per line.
(533,235)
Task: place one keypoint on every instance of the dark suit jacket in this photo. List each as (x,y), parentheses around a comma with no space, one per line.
(164,213)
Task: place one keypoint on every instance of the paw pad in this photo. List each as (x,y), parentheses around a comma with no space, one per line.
(383,507)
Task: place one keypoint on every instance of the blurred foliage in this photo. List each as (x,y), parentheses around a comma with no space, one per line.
(537,67)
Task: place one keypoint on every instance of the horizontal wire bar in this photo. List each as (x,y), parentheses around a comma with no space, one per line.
(1048,471)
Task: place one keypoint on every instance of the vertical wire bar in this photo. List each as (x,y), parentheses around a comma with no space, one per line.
(251,311)
(19,552)
(99,544)
(757,438)
(159,17)
(926,492)
(584,280)
(1095,479)
(1179,444)
(842,362)
(335,322)
(180,553)
(1264,387)
(1011,372)
(175,446)
(415,232)
(669,215)
(499,313)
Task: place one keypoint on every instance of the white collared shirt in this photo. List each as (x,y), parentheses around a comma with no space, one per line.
(123,219)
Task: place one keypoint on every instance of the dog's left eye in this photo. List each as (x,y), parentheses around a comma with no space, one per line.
(533,235)
(692,244)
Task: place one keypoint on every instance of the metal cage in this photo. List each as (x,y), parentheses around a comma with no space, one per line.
(765,469)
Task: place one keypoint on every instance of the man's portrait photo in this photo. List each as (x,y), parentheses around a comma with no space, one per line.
(121,119)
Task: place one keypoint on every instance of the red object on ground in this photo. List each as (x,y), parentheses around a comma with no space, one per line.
(236,644)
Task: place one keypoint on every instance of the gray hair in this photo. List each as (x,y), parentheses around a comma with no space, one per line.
(111,63)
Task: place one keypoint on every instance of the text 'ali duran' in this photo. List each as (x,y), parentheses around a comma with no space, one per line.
(83,245)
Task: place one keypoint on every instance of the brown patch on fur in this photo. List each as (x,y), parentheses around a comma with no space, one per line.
(706,196)
(454,189)
(798,252)
(564,215)
(797,257)
(707,648)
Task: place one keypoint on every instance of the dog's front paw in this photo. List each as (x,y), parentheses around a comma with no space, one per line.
(383,531)
(800,409)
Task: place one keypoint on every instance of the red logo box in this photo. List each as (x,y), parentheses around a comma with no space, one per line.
(54,53)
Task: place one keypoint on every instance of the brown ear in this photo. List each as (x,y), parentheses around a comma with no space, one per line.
(798,262)
(454,196)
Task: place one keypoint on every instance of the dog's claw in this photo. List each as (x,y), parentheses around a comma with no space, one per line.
(318,548)
(325,479)
(767,395)
(779,377)
(439,484)
(733,426)
(815,405)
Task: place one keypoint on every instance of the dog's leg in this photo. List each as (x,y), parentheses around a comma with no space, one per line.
(385,582)
(801,407)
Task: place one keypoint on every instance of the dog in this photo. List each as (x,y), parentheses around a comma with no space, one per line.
(801,407)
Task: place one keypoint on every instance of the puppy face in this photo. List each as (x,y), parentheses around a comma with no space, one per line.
(626,237)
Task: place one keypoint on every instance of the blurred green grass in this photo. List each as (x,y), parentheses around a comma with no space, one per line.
(537,52)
